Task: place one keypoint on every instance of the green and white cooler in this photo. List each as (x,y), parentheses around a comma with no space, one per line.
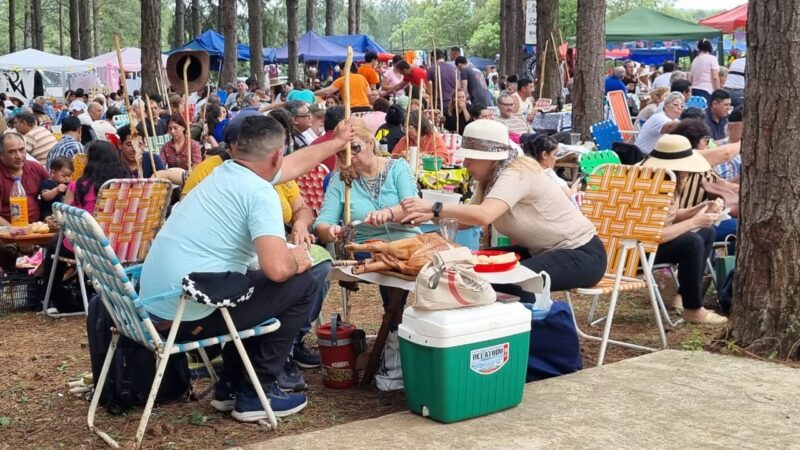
(464,363)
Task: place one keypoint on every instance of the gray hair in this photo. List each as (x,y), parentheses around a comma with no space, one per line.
(672,97)
(723,71)
(677,75)
(618,71)
(503,95)
(295,107)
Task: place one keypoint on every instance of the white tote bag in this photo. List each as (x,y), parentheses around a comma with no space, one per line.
(448,281)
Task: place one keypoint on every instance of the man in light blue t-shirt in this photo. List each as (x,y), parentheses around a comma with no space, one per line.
(231,220)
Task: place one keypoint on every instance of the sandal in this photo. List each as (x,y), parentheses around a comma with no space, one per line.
(709,318)
(676,304)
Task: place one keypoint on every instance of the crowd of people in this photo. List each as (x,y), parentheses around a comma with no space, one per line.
(239,204)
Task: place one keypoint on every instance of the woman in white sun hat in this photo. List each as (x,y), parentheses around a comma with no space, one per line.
(687,239)
(516,196)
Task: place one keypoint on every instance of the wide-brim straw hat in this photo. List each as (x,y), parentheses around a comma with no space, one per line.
(276,82)
(675,153)
(484,139)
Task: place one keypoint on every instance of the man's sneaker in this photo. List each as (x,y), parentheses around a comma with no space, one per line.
(224,396)
(303,356)
(290,379)
(249,408)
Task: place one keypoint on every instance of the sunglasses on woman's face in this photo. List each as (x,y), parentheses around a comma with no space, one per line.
(354,150)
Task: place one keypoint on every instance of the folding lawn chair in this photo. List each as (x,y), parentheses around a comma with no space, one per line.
(157,142)
(621,115)
(130,212)
(588,162)
(120,120)
(605,134)
(312,187)
(628,206)
(115,287)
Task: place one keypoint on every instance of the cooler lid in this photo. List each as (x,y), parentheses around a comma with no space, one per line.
(452,323)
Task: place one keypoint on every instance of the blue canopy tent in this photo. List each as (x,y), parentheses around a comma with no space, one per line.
(360,42)
(213,43)
(657,56)
(312,47)
(481,63)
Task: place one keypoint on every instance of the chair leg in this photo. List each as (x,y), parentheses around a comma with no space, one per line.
(98,389)
(82,284)
(592,310)
(50,279)
(211,372)
(151,399)
(251,372)
(612,307)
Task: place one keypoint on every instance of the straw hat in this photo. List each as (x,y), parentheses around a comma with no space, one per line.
(274,81)
(484,139)
(675,153)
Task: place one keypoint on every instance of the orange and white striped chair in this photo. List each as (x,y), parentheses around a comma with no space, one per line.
(628,206)
(312,187)
(130,212)
(621,115)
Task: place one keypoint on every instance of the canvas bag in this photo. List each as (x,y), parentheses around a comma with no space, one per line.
(448,281)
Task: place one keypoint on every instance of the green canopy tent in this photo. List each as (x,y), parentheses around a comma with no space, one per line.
(647,24)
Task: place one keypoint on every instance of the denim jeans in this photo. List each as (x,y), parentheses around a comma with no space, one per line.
(319,273)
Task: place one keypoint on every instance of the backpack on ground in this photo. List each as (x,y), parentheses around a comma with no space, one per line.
(133,366)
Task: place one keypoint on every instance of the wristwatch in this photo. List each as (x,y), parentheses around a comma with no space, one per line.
(437,208)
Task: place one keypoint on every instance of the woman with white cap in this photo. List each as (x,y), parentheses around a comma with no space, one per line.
(687,239)
(518,198)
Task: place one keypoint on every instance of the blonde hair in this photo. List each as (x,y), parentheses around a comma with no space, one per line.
(521,164)
(363,132)
(655,97)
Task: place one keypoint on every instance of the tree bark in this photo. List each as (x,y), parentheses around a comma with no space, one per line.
(74,32)
(256,41)
(330,16)
(196,28)
(12,26)
(766,303)
(351,16)
(96,25)
(60,27)
(291,37)
(229,60)
(512,35)
(38,29)
(180,20)
(546,29)
(85,37)
(587,92)
(26,28)
(311,6)
(150,44)
(358,17)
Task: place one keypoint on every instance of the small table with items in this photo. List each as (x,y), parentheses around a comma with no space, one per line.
(25,240)
(558,121)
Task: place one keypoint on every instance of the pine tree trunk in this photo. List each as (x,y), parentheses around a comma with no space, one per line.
(38,29)
(311,6)
(229,60)
(60,27)
(587,92)
(351,16)
(512,35)
(196,28)
(256,41)
(330,16)
(26,29)
(150,44)
(291,37)
(74,32)
(766,303)
(85,12)
(358,17)
(220,21)
(95,25)
(546,30)
(180,19)
(12,26)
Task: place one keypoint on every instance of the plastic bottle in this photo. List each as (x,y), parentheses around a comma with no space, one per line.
(19,205)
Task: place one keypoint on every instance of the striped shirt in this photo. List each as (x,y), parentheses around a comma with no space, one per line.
(730,169)
(691,191)
(38,143)
(66,147)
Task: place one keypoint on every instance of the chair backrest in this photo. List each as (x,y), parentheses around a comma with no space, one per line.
(620,113)
(120,120)
(697,102)
(78,165)
(157,142)
(311,187)
(130,212)
(628,202)
(109,279)
(543,103)
(605,133)
(587,162)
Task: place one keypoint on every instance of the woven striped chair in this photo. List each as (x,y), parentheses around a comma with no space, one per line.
(312,187)
(130,212)
(605,133)
(115,287)
(628,205)
(621,115)
(587,162)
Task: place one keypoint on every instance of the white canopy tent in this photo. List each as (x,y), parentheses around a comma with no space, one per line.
(107,66)
(17,72)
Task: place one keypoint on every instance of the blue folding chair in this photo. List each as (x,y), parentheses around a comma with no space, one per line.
(697,102)
(605,133)
(114,285)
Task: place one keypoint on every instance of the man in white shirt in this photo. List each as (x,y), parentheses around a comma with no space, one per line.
(663,80)
(736,81)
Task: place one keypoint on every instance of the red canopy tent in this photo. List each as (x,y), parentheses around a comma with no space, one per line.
(728,21)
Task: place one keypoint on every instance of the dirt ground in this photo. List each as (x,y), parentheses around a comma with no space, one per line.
(38,356)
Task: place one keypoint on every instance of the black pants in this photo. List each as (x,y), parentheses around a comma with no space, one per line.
(689,251)
(568,269)
(290,302)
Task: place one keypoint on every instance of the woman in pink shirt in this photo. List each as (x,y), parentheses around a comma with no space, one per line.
(705,71)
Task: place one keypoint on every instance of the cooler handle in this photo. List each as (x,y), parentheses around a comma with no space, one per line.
(334,325)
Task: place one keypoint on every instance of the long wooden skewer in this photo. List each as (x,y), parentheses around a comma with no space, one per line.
(147,137)
(188,118)
(131,116)
(420,111)
(348,156)
(544,64)
(455,99)
(438,74)
(408,105)
(557,56)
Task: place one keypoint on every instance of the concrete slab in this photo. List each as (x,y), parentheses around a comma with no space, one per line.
(665,400)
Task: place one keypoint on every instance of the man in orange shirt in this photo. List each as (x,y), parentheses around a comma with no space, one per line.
(368,69)
(359,91)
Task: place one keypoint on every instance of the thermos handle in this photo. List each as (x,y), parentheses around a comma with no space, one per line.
(334,325)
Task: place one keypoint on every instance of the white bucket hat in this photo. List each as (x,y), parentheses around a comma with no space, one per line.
(484,139)
(675,153)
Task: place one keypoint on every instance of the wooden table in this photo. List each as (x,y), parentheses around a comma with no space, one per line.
(27,240)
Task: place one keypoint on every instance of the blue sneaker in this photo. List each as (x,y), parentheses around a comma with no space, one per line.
(290,379)
(304,358)
(224,395)
(249,408)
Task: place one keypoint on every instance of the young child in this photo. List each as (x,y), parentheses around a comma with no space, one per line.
(53,189)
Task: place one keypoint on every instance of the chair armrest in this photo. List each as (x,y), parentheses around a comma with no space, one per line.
(133,272)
